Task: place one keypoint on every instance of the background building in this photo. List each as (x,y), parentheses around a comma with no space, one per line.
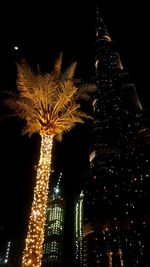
(9,255)
(116,230)
(5,255)
(53,246)
(78,231)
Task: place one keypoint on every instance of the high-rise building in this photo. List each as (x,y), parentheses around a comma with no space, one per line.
(10,254)
(54,229)
(116,226)
(5,256)
(78,230)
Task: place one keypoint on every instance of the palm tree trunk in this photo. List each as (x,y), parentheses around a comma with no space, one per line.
(32,254)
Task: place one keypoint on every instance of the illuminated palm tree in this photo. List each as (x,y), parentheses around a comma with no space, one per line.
(48,105)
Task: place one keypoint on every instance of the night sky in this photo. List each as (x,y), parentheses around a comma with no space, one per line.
(40,32)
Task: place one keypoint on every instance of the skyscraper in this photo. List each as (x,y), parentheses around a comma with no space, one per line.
(116,227)
(54,229)
(78,230)
(5,257)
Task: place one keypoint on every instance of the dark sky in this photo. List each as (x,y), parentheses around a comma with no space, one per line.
(41,31)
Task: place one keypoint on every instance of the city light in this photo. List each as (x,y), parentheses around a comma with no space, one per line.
(47,103)
(32,253)
(16,47)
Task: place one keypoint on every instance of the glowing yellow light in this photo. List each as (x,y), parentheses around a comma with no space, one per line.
(47,103)
(33,251)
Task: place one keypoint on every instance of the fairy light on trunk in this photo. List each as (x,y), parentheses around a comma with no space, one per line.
(33,250)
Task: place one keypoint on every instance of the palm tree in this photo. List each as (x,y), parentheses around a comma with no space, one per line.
(48,105)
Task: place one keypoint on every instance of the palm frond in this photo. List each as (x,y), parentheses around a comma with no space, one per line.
(26,79)
(57,66)
(86,90)
(70,71)
(58,137)
(48,103)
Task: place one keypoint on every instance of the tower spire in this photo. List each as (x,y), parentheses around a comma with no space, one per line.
(101,31)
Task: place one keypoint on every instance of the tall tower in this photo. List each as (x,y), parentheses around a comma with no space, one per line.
(116,228)
(78,230)
(54,229)
(7,252)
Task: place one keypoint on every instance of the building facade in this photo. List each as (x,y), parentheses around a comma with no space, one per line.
(54,229)
(78,230)
(116,225)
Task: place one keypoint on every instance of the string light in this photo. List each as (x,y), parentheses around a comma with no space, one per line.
(48,105)
(33,250)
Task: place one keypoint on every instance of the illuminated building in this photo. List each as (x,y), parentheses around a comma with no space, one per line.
(78,233)
(5,255)
(7,252)
(54,229)
(116,228)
